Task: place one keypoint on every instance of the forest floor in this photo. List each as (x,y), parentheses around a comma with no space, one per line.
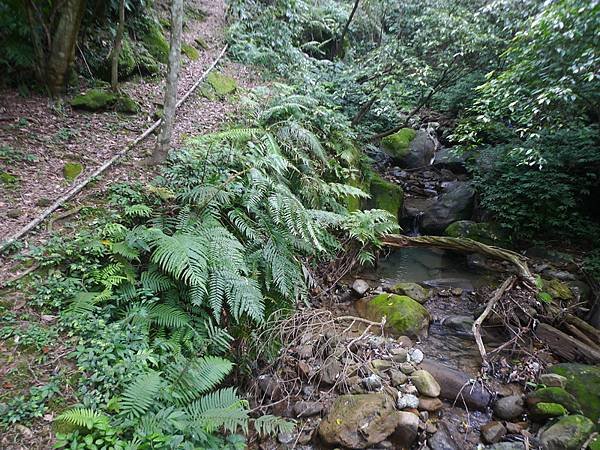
(39,136)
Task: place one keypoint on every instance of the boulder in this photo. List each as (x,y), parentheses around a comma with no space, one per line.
(552,380)
(412,290)
(558,289)
(568,433)
(449,207)
(554,395)
(407,429)
(492,432)
(409,148)
(509,408)
(385,195)
(100,100)
(397,145)
(425,383)
(359,421)
(583,382)
(452,383)
(543,411)
(461,324)
(305,409)
(403,314)
(447,158)
(483,232)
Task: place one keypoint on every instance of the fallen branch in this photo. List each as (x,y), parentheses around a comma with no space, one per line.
(78,187)
(508,283)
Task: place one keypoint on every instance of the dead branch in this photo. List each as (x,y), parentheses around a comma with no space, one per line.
(508,283)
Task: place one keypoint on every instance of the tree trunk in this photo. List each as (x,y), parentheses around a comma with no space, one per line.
(63,45)
(116,50)
(164,139)
(340,43)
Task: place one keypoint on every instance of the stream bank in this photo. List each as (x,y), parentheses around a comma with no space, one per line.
(392,361)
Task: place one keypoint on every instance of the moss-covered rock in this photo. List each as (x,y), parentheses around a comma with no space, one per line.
(412,290)
(71,170)
(94,100)
(397,145)
(127,63)
(218,85)
(404,316)
(190,51)
(101,100)
(543,411)
(567,433)
(386,195)
(8,179)
(483,232)
(558,290)
(553,395)
(155,42)
(583,383)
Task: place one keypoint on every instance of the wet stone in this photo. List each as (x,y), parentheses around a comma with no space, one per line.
(425,383)
(396,377)
(407,368)
(306,409)
(510,407)
(492,432)
(407,401)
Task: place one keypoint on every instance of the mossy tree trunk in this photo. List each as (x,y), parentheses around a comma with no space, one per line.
(116,50)
(164,139)
(340,42)
(62,49)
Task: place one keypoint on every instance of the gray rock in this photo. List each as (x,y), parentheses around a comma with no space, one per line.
(452,383)
(360,287)
(396,377)
(449,207)
(331,371)
(372,383)
(510,407)
(415,356)
(448,158)
(381,364)
(420,152)
(553,380)
(407,368)
(425,383)
(399,354)
(461,324)
(443,439)
(568,433)
(407,401)
(269,386)
(407,429)
(359,421)
(430,404)
(286,438)
(306,409)
(492,432)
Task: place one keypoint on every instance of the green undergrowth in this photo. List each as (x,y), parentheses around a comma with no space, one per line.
(157,290)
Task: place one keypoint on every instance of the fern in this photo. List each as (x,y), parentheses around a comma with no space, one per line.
(221,408)
(268,425)
(83,418)
(169,316)
(191,378)
(182,255)
(139,396)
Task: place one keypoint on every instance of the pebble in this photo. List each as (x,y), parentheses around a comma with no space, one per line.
(510,407)
(360,286)
(397,378)
(372,382)
(430,404)
(407,368)
(407,401)
(425,383)
(416,356)
(492,432)
(399,354)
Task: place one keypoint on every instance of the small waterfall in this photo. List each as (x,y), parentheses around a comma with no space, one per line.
(415,228)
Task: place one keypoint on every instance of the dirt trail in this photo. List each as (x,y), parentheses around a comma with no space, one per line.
(37,136)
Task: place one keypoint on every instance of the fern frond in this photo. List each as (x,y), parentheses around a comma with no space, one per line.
(83,418)
(169,316)
(222,408)
(155,281)
(183,256)
(139,396)
(191,378)
(269,425)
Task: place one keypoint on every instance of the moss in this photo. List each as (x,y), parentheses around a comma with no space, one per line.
(558,290)
(356,203)
(544,410)
(570,433)
(483,232)
(221,85)
(595,444)
(100,100)
(397,145)
(190,51)
(126,104)
(404,315)
(201,43)
(72,170)
(554,395)
(127,62)
(155,42)
(386,195)
(583,383)
(8,179)
(94,100)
